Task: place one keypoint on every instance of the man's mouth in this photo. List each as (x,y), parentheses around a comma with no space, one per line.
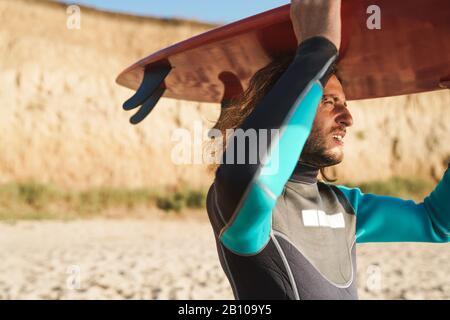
(339,137)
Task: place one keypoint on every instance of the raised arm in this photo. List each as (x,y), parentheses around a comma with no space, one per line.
(389,219)
(246,193)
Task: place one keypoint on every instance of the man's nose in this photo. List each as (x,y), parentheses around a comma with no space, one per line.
(345,118)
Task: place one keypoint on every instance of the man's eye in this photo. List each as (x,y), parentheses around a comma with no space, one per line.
(328,101)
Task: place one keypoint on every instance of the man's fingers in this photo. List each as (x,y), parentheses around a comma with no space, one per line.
(312,18)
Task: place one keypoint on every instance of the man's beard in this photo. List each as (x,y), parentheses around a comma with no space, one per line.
(315,153)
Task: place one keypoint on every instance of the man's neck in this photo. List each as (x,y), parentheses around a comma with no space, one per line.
(305,173)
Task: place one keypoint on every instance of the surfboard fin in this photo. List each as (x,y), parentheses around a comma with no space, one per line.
(148,106)
(149,92)
(444,83)
(232,88)
(153,77)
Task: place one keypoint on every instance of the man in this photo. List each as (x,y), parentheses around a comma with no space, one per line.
(284,235)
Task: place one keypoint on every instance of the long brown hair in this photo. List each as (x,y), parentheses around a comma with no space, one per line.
(238,109)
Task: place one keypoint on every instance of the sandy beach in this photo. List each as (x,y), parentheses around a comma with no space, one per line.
(168,258)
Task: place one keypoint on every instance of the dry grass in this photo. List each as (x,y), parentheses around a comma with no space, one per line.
(413,188)
(32,201)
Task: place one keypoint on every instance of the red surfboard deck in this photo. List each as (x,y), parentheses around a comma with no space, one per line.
(409,54)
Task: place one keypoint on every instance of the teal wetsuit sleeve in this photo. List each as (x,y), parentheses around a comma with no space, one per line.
(389,219)
(246,192)
(250,229)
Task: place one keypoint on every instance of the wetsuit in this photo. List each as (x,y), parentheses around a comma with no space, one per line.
(284,235)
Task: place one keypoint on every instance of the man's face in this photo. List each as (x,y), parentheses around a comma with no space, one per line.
(325,144)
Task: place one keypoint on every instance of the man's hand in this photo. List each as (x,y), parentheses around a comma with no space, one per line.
(312,18)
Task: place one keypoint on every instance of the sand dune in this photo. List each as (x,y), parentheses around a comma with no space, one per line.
(61,119)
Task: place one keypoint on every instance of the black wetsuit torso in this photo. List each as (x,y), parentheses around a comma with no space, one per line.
(311,252)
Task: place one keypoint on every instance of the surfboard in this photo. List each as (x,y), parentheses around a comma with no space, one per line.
(395,48)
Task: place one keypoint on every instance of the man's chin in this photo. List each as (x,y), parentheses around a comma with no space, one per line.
(332,157)
(324,160)
(331,162)
(337,155)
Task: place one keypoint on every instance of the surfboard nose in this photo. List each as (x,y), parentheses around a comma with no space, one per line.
(148,93)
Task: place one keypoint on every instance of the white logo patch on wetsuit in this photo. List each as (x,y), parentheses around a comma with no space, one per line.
(318,218)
